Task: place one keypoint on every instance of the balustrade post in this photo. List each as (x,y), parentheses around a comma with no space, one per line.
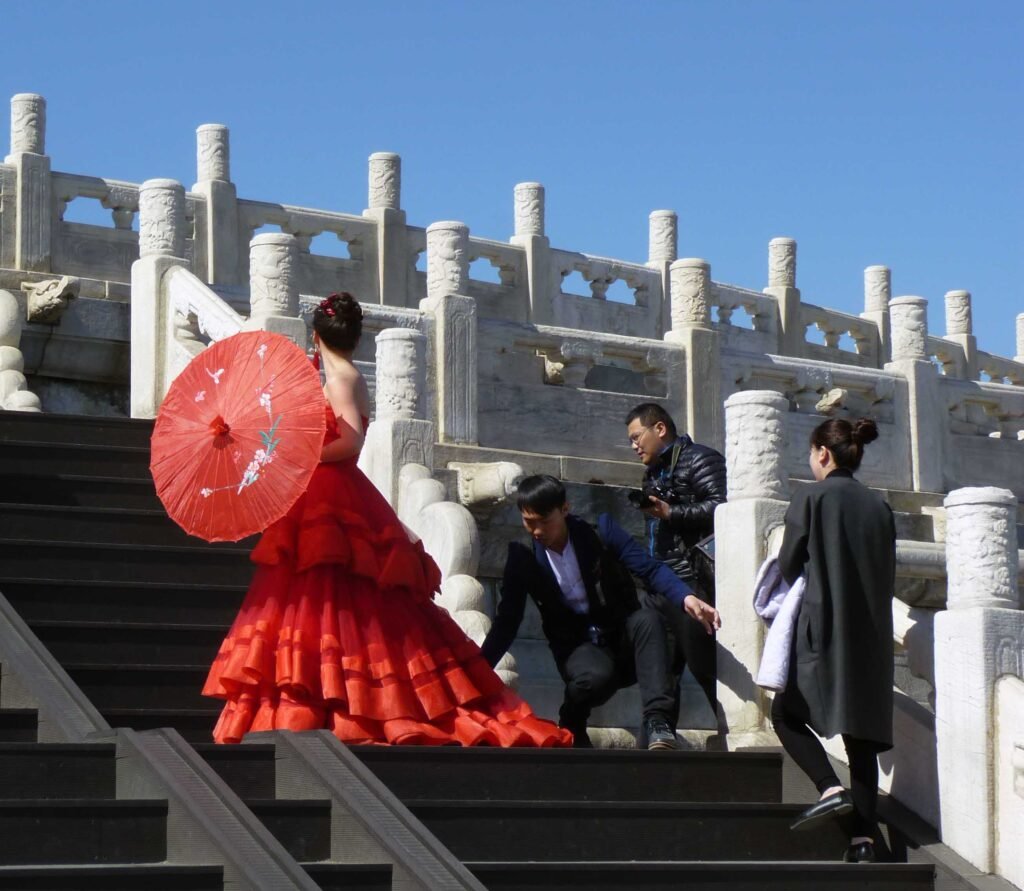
(33,206)
(541,280)
(1020,339)
(924,410)
(400,433)
(219,241)
(979,637)
(391,251)
(877,292)
(959,330)
(455,331)
(782,286)
(274,287)
(758,487)
(161,248)
(662,251)
(692,330)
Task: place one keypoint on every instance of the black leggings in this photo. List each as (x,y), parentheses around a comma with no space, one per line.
(809,754)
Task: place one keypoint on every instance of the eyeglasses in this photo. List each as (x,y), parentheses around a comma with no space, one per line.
(636,437)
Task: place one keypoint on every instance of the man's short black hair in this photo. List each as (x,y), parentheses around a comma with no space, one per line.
(649,414)
(540,493)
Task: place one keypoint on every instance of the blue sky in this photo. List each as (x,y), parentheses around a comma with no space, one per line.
(872,132)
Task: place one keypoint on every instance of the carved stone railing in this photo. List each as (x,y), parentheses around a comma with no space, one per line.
(761,310)
(834,325)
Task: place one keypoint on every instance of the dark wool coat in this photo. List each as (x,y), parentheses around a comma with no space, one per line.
(842,536)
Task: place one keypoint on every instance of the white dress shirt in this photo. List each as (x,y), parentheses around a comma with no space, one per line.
(566,568)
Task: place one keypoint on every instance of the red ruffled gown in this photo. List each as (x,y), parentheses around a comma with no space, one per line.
(339,630)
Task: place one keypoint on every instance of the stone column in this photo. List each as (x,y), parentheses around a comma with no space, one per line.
(274,286)
(32,208)
(161,248)
(877,292)
(782,286)
(979,637)
(220,239)
(692,330)
(959,330)
(391,250)
(529,234)
(924,410)
(1020,338)
(662,251)
(755,424)
(161,218)
(400,433)
(455,328)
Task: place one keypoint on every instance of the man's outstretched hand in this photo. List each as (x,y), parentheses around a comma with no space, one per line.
(703,612)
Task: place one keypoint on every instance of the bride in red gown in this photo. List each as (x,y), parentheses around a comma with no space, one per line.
(339,629)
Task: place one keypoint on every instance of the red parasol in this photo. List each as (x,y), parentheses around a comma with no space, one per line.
(238,436)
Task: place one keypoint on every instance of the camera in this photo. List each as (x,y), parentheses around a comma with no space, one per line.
(642,499)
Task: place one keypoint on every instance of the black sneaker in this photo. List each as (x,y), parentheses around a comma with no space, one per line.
(659,734)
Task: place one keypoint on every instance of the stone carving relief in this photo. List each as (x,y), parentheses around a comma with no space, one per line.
(28,124)
(958,312)
(755,439)
(483,486)
(663,236)
(877,288)
(400,373)
(782,263)
(691,294)
(568,363)
(14,392)
(213,153)
(48,299)
(909,323)
(122,202)
(529,209)
(273,276)
(385,180)
(981,548)
(447,259)
(161,219)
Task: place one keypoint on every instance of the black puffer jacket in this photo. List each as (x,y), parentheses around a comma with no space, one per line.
(696,485)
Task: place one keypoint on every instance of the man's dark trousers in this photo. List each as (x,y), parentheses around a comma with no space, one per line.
(593,673)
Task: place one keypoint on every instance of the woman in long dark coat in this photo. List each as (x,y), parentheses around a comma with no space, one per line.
(842,537)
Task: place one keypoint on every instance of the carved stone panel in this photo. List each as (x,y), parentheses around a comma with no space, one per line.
(909,322)
(386,180)
(958,312)
(400,373)
(755,439)
(28,124)
(691,293)
(663,245)
(447,259)
(273,275)
(161,218)
(213,153)
(529,208)
(981,548)
(782,263)
(877,288)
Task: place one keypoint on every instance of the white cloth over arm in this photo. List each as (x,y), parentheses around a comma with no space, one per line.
(779,605)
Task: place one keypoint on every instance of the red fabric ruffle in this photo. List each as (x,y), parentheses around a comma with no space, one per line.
(339,630)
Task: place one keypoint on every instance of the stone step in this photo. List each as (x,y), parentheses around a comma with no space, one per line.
(350,876)
(46,458)
(598,830)
(250,770)
(661,876)
(417,774)
(57,770)
(77,561)
(195,725)
(302,827)
(111,877)
(118,643)
(19,725)
(141,686)
(49,831)
(79,491)
(128,600)
(16,426)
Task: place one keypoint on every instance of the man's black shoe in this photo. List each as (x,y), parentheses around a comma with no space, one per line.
(834,805)
(863,852)
(659,734)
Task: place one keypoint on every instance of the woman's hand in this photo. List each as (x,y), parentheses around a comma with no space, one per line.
(703,612)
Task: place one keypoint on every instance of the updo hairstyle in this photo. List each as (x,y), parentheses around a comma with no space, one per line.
(338,321)
(845,440)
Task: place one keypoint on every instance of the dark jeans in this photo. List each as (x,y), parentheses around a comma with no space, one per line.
(694,647)
(638,653)
(789,718)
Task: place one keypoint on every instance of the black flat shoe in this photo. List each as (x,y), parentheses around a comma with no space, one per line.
(835,805)
(863,852)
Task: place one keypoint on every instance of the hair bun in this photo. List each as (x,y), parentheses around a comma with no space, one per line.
(865,430)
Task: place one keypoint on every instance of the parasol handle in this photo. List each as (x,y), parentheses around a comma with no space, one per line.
(219,427)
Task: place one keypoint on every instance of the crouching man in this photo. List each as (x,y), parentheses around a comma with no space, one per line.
(602,633)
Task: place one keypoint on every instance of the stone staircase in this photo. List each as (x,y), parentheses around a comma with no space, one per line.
(134,610)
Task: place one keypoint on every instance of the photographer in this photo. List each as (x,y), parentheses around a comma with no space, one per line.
(683,484)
